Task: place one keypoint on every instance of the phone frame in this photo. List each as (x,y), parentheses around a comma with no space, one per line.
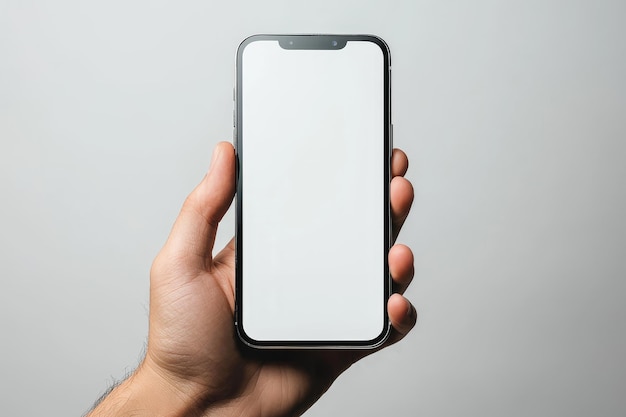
(311,41)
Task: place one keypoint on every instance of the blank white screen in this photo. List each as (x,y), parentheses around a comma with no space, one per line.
(313,207)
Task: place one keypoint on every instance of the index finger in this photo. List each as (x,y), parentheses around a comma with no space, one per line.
(399,163)
(401,191)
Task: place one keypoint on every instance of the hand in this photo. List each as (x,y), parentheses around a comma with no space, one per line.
(194,364)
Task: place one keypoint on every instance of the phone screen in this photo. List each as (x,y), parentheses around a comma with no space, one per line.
(312,201)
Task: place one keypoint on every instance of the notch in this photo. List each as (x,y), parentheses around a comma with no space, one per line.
(329,42)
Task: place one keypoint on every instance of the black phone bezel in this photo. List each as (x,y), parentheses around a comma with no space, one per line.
(311,41)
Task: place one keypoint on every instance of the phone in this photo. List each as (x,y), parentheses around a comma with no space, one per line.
(313,145)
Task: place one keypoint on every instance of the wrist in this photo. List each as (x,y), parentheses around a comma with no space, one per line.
(146,393)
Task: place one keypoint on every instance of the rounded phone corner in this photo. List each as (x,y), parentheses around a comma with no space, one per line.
(248,41)
(378,41)
(253,38)
(381,339)
(244,337)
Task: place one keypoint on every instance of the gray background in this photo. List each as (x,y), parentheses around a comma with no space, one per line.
(513,114)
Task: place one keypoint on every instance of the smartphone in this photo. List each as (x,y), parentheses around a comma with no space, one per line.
(313,145)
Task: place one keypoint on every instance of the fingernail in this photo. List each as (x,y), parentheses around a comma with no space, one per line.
(216,154)
(409,310)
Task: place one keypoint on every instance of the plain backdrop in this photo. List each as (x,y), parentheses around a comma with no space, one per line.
(513,114)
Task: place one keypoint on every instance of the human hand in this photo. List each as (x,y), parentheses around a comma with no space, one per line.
(194,364)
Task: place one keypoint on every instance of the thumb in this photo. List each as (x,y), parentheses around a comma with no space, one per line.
(193,234)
